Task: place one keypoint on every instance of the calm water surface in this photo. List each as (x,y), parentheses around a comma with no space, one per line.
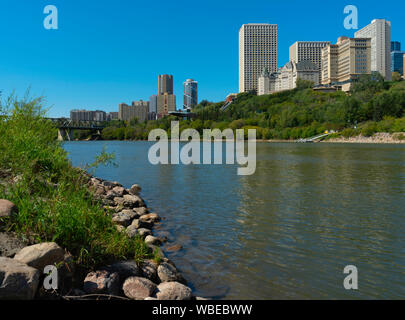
(285,232)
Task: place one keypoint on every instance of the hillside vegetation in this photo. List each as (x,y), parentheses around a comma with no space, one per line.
(373,106)
(53,199)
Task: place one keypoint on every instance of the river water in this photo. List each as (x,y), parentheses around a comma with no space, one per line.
(286,232)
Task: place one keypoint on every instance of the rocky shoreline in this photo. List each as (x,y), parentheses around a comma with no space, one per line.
(380,137)
(22,266)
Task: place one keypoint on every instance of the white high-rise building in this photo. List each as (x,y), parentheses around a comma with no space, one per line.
(258,49)
(308,51)
(379,30)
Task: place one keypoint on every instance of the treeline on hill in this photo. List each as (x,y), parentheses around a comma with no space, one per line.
(373,105)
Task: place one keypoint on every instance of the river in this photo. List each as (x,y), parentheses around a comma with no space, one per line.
(286,232)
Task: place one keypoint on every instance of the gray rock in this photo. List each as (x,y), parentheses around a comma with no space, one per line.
(119,201)
(149,269)
(150,218)
(120,191)
(130,213)
(17,280)
(173,291)
(7,208)
(125,269)
(152,240)
(166,272)
(201,298)
(40,255)
(143,232)
(102,281)
(141,210)
(156,250)
(135,189)
(132,231)
(141,224)
(121,219)
(132,201)
(111,195)
(138,288)
(10,244)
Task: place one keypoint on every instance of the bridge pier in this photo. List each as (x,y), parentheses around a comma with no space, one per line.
(65,134)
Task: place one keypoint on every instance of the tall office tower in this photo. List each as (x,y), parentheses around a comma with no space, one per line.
(165,84)
(379,30)
(258,49)
(165,100)
(395,46)
(346,61)
(153,103)
(190,93)
(308,51)
(397,61)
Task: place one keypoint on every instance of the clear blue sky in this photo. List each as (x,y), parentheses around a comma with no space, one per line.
(107,52)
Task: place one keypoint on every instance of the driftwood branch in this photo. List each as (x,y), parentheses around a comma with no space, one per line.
(95,296)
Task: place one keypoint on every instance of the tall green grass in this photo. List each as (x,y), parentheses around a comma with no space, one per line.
(53,200)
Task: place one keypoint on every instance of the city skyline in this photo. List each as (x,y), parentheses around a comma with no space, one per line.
(100,68)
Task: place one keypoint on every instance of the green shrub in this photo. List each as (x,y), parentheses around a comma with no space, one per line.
(52,197)
(369,129)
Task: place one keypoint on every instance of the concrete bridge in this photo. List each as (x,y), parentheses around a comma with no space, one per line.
(66,127)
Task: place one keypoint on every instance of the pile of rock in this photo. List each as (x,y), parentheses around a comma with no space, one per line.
(149,280)
(20,277)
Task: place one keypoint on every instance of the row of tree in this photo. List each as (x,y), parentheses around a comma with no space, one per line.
(291,114)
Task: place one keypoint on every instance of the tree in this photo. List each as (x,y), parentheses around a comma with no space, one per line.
(396,76)
(304,84)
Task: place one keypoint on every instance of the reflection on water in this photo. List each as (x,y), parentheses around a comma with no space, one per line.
(285,232)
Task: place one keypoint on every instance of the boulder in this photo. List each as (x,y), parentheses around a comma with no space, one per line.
(111,195)
(141,210)
(120,191)
(132,201)
(17,280)
(102,281)
(150,218)
(138,288)
(119,201)
(166,273)
(132,231)
(149,269)
(130,213)
(40,255)
(156,250)
(121,219)
(7,208)
(150,298)
(149,239)
(135,189)
(143,232)
(10,244)
(125,269)
(136,223)
(173,291)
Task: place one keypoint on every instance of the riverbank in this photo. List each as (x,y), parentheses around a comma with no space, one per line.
(379,137)
(156,278)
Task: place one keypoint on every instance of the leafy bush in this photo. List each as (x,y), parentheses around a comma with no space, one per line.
(52,197)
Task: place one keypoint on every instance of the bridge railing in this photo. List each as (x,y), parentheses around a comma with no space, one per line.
(83,124)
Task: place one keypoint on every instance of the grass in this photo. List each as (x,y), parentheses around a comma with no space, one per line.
(52,196)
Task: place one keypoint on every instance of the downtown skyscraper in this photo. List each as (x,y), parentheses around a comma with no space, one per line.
(379,31)
(190,94)
(258,48)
